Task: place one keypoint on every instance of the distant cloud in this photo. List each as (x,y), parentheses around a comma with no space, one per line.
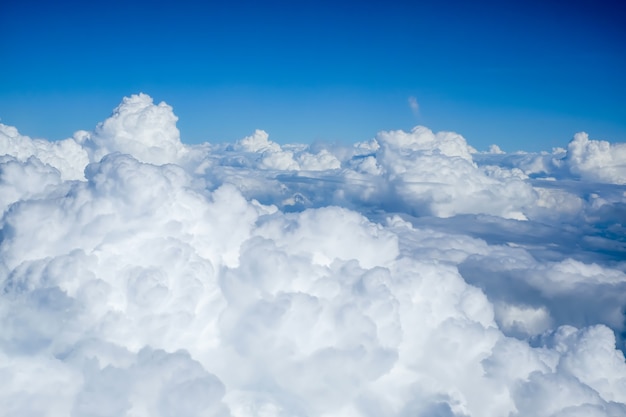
(414,105)
(408,273)
(597,160)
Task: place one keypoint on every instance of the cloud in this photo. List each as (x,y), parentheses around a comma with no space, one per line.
(404,275)
(137,127)
(597,160)
(414,106)
(66,156)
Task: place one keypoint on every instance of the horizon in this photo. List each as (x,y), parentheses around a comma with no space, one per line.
(524,76)
(296,209)
(403,276)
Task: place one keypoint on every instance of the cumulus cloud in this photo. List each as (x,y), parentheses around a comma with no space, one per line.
(137,127)
(404,275)
(66,156)
(597,160)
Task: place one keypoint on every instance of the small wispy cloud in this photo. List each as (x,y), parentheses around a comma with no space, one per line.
(414,105)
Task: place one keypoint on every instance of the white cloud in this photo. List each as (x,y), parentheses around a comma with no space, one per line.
(67,156)
(137,127)
(414,106)
(597,160)
(141,276)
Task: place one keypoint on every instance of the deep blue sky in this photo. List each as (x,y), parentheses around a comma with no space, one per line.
(522,74)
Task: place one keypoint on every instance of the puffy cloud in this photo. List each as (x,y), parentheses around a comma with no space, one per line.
(597,160)
(153,383)
(67,156)
(137,127)
(274,157)
(258,142)
(21,180)
(141,276)
(423,139)
(435,174)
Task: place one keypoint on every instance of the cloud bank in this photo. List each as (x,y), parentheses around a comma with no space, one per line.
(406,275)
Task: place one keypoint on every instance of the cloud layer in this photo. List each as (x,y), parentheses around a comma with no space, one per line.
(406,275)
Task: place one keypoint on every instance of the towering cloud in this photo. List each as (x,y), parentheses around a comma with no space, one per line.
(597,160)
(137,127)
(405,275)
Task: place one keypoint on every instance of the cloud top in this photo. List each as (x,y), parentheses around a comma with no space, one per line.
(408,274)
(140,128)
(597,160)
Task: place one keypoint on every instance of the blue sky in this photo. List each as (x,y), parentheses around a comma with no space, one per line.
(524,75)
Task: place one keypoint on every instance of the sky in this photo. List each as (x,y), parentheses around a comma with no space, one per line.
(293,209)
(406,275)
(525,75)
